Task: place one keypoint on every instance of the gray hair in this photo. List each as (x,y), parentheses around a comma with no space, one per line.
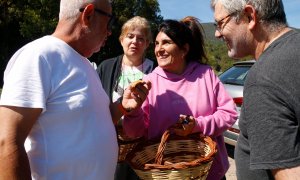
(270,12)
(70,9)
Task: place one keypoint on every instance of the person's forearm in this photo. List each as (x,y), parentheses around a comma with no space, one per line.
(15,125)
(117,110)
(116,113)
(14,162)
(287,174)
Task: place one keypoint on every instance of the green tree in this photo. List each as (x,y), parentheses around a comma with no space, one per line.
(31,18)
(26,20)
(124,10)
(23,21)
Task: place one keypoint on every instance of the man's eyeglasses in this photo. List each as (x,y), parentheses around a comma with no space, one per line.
(111,20)
(220,25)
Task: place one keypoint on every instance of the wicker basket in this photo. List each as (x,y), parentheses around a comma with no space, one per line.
(126,144)
(173,157)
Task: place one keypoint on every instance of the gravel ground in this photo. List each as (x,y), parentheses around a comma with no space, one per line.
(230,175)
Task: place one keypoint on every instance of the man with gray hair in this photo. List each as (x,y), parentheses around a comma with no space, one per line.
(268,146)
(53,101)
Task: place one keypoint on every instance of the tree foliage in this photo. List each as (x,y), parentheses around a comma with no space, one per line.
(22,21)
(124,10)
(31,18)
(216,50)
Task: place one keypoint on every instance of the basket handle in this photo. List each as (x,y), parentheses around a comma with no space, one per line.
(162,147)
(160,164)
(163,142)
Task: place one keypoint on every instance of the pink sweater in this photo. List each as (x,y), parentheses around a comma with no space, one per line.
(197,92)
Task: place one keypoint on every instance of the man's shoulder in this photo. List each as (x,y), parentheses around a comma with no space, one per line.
(39,43)
(290,38)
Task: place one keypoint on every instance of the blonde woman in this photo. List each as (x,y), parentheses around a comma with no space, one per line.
(118,72)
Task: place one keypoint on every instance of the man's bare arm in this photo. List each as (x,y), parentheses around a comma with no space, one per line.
(15,125)
(287,174)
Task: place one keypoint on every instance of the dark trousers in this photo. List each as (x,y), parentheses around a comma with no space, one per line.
(125,172)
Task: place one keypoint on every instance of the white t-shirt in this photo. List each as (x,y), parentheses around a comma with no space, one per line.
(74,138)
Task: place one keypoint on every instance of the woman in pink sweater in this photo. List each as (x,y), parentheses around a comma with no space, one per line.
(182,85)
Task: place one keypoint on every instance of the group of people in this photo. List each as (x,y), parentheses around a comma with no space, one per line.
(54,102)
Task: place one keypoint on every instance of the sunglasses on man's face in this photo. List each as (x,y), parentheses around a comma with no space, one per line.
(111,17)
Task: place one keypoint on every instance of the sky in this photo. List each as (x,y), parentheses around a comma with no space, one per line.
(177,9)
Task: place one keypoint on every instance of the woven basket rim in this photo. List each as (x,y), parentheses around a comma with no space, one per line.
(120,141)
(176,166)
(119,130)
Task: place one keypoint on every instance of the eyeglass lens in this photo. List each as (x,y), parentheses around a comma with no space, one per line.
(111,20)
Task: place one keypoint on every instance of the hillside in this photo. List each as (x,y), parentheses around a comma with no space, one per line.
(209,30)
(216,50)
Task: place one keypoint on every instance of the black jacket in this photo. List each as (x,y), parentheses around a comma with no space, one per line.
(109,71)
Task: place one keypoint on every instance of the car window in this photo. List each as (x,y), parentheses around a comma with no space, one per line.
(235,75)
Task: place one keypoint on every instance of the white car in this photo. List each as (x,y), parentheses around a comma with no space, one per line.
(233,80)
